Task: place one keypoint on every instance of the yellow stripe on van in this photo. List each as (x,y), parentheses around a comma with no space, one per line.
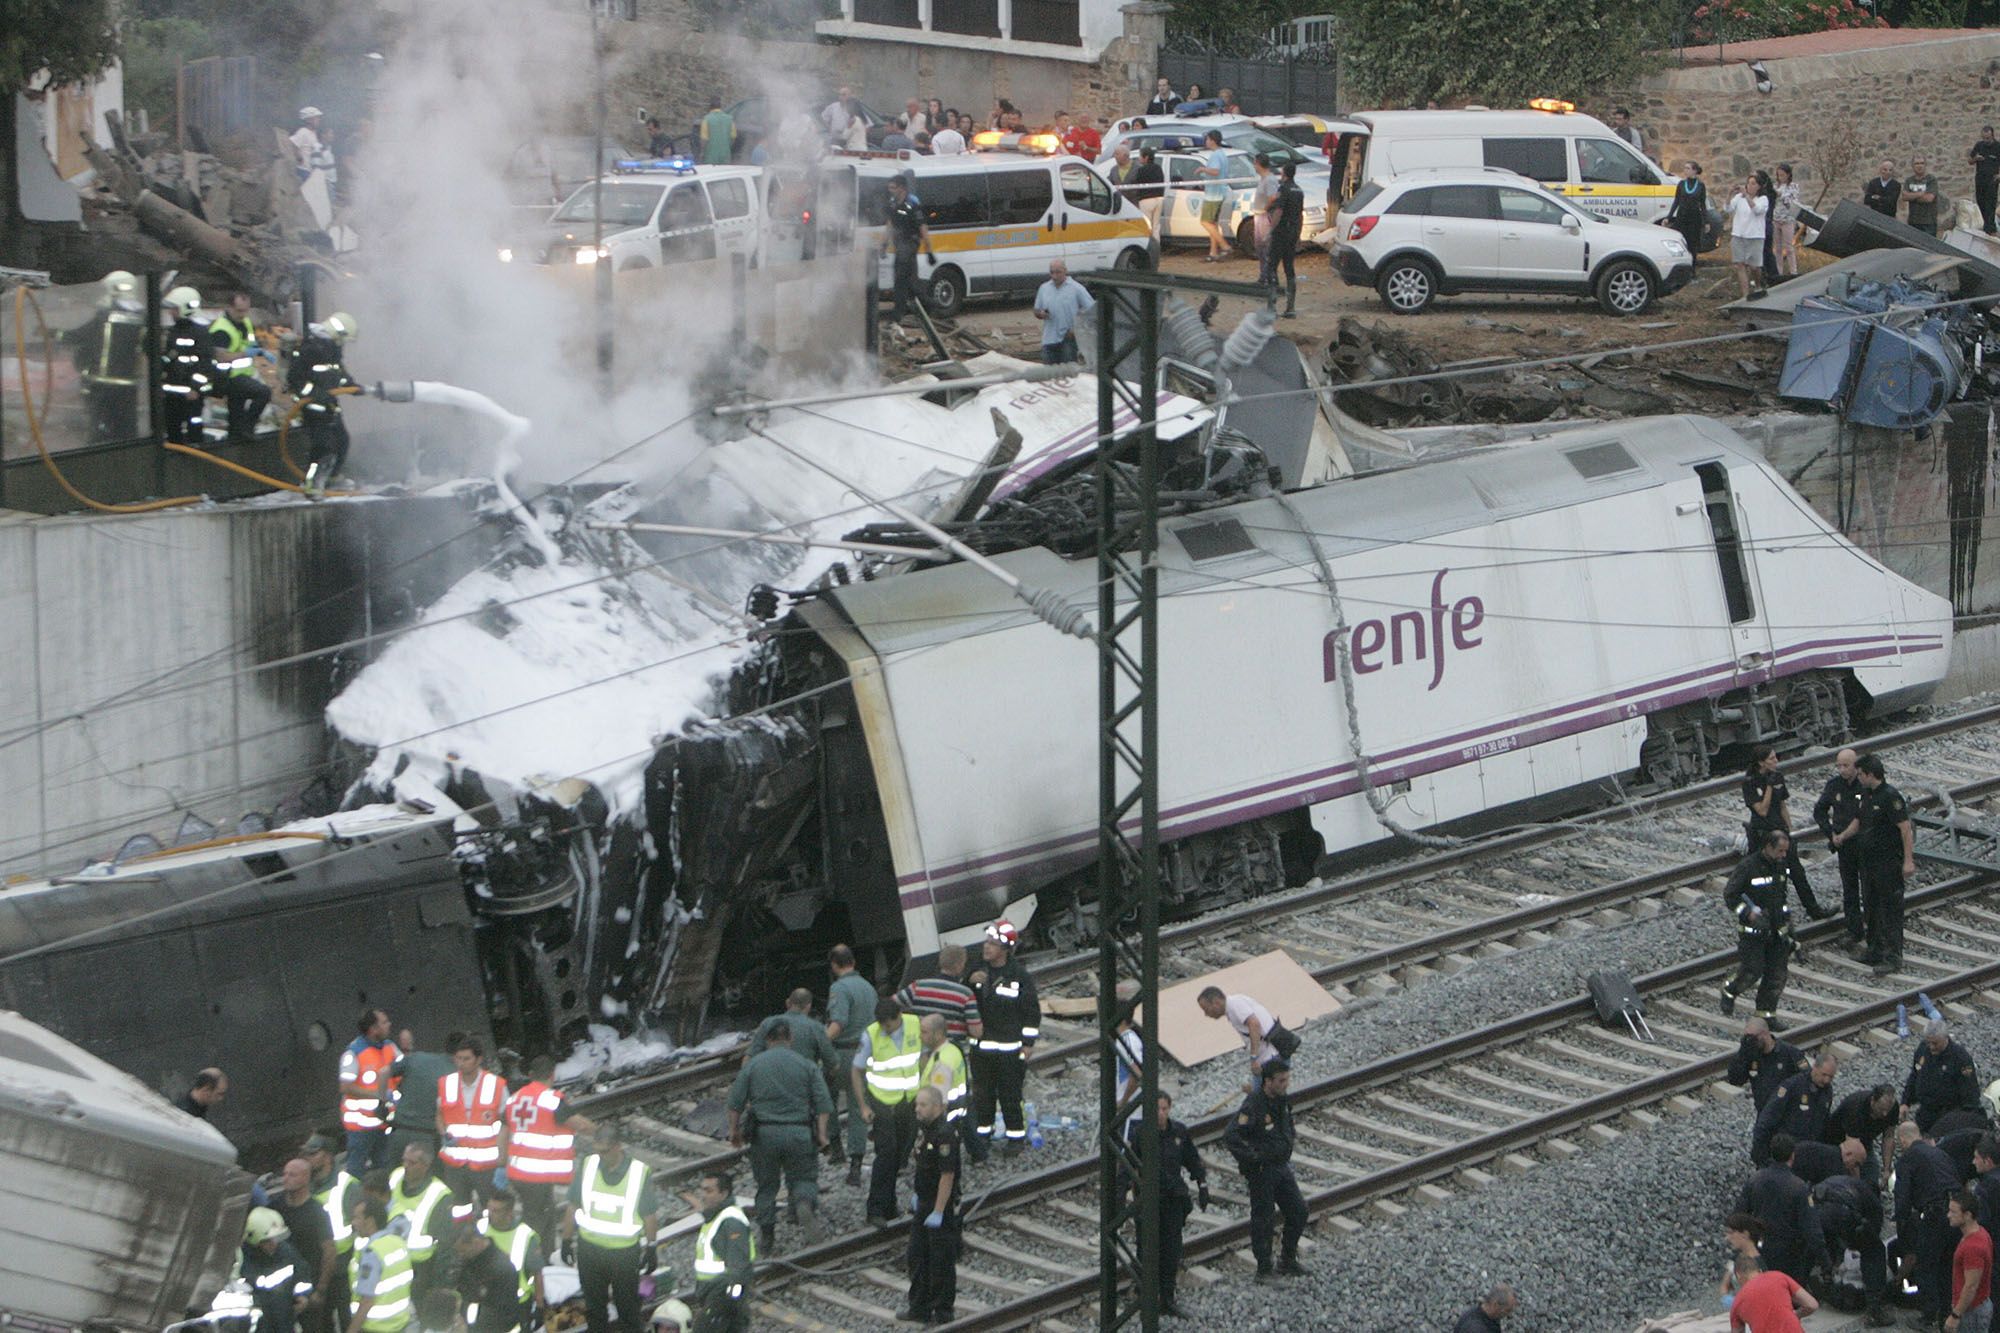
(1645,203)
(966,239)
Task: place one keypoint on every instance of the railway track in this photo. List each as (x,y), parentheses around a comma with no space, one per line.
(1378,1140)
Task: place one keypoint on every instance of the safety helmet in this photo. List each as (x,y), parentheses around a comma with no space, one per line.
(339,326)
(308,112)
(1003,932)
(183,300)
(264,1224)
(119,283)
(673,1311)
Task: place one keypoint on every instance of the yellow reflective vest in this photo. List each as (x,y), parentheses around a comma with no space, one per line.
(390,1310)
(892,1071)
(608,1215)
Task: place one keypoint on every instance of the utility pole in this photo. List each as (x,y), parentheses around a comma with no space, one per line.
(601,270)
(1127,472)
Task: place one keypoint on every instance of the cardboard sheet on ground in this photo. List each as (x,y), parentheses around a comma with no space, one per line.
(1275,980)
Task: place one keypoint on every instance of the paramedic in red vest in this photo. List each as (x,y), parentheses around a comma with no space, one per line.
(364,1094)
(468,1122)
(540,1133)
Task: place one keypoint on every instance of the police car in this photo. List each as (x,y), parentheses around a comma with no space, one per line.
(657,211)
(1180,214)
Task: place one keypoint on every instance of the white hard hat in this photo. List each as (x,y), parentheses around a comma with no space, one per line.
(339,326)
(119,283)
(264,1224)
(674,1311)
(183,300)
(308,112)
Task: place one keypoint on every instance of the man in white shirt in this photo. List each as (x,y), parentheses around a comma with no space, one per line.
(306,144)
(914,120)
(835,117)
(1252,1021)
(947,142)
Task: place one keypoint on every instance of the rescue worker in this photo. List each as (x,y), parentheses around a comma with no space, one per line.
(1801,1111)
(906,234)
(541,1145)
(305,1218)
(417,1075)
(1925,1179)
(1755,894)
(1769,799)
(280,1282)
(1177,1155)
(1780,1200)
(381,1275)
(416,1193)
(234,347)
(1836,810)
(521,1243)
(487,1282)
(724,1256)
(469,1100)
(850,1005)
(1867,1116)
(1888,858)
(336,1192)
(1260,1138)
(1010,1017)
(942,1066)
(809,1037)
(1849,1211)
(187,372)
(364,1093)
(779,1105)
(613,1220)
(934,1220)
(1941,1078)
(884,1079)
(109,352)
(315,379)
(945,993)
(1764,1062)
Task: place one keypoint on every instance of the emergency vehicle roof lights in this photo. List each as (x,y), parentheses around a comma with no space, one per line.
(679,166)
(1554,104)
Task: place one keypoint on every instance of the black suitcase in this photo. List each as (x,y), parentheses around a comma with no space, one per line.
(1617,1001)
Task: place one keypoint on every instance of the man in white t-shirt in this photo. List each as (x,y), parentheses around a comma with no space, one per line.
(1252,1021)
(313,154)
(947,143)
(836,115)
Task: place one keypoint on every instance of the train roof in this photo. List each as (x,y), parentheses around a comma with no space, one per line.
(926,607)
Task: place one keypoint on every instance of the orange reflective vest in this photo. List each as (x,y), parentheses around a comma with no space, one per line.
(538,1148)
(471,1134)
(368,1067)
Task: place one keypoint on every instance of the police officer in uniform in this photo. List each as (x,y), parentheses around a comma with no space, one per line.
(1756,895)
(1178,1155)
(521,1243)
(613,1220)
(1763,1061)
(724,1255)
(942,1066)
(906,235)
(1836,810)
(1942,1078)
(1780,1200)
(380,1275)
(1260,1138)
(934,1221)
(1925,1179)
(315,378)
(416,1193)
(1850,1218)
(1802,1109)
(1888,858)
(1010,1016)
(187,372)
(1768,800)
(109,352)
(233,340)
(785,1098)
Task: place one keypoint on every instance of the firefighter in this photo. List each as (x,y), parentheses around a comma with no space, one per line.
(416,1193)
(187,373)
(541,1144)
(884,1080)
(469,1100)
(364,1093)
(109,352)
(724,1255)
(316,378)
(381,1274)
(934,1220)
(1942,1078)
(233,342)
(1756,895)
(1010,1024)
(279,1281)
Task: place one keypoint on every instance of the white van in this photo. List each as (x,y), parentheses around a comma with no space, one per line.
(656,212)
(1574,155)
(997,219)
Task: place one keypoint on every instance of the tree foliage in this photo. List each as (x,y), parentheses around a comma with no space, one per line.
(1500,52)
(71,39)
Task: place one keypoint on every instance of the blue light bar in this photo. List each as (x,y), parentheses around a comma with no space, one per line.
(680,166)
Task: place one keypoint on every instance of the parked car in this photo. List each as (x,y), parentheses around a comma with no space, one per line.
(1180,214)
(1164,134)
(1426,234)
(655,213)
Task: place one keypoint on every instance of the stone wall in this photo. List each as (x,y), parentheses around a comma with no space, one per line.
(1928,98)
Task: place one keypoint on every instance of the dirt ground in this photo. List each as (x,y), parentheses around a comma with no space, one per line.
(1504,328)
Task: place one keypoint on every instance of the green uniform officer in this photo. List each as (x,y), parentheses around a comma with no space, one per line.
(850,1007)
(724,1259)
(808,1034)
(788,1104)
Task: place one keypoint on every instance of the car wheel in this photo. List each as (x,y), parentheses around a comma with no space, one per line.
(1246,237)
(944,291)
(1132,257)
(1407,286)
(1626,287)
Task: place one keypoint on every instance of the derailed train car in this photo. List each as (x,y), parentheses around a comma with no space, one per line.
(916,754)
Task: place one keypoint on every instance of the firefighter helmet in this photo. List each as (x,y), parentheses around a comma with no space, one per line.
(1003,932)
(264,1224)
(339,326)
(183,300)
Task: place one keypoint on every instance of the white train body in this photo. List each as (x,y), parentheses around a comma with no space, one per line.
(1521,621)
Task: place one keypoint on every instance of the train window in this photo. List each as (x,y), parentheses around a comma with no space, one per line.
(1213,541)
(1601,460)
(1728,541)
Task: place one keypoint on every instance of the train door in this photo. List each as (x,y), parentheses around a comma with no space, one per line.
(1749,632)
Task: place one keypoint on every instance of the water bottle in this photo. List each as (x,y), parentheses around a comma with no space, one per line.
(1068,1124)
(1902,1020)
(1034,1126)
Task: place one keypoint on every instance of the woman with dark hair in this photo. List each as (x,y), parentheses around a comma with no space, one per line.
(1749,214)
(1769,194)
(1688,214)
(1785,223)
(1768,800)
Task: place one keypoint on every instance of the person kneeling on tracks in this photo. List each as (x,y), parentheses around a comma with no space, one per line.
(783,1096)
(934,1221)
(1802,1110)
(315,378)
(1260,1139)
(1848,1209)
(1764,944)
(724,1257)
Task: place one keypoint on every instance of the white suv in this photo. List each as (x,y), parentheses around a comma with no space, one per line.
(1428,233)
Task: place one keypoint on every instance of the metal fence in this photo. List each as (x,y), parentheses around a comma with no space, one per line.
(215,97)
(1263,87)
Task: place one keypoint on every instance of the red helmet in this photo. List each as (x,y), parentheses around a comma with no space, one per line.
(1003,932)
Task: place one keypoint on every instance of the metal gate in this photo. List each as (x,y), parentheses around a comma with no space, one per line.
(1263,87)
(216,97)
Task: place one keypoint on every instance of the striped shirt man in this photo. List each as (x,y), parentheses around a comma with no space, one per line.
(946,996)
